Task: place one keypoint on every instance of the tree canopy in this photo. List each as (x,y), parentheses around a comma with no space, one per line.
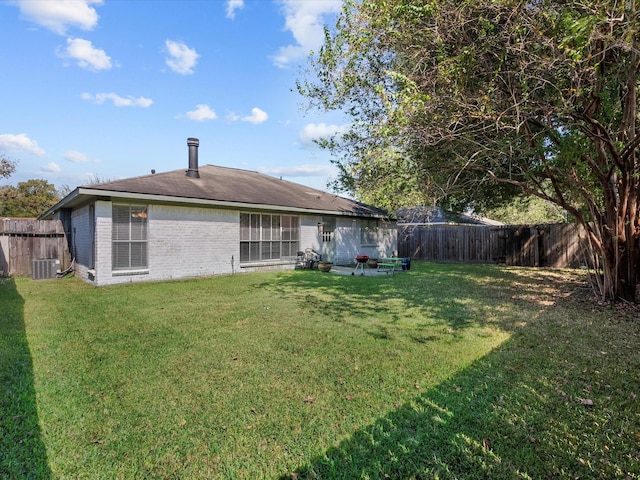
(7,167)
(28,199)
(475,102)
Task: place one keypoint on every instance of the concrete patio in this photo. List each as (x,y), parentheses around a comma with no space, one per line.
(367,272)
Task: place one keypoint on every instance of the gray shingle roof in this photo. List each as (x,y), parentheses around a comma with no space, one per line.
(231,185)
(427,215)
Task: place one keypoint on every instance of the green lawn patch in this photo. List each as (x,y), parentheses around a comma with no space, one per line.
(445,371)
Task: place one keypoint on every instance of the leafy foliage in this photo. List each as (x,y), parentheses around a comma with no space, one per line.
(7,167)
(527,210)
(488,100)
(28,199)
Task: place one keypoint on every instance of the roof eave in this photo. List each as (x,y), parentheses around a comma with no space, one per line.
(74,196)
(61,204)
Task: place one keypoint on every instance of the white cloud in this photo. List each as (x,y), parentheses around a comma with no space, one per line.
(52,167)
(201,113)
(59,15)
(315,131)
(74,156)
(117,100)
(257,116)
(305,19)
(308,170)
(232,6)
(20,142)
(181,59)
(85,54)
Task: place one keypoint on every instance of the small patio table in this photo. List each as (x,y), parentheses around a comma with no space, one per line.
(389,264)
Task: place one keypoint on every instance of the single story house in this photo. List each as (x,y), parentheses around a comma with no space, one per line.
(211,220)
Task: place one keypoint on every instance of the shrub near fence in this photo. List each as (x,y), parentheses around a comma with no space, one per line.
(553,245)
(23,240)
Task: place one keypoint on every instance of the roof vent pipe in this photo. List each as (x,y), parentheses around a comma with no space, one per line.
(193,144)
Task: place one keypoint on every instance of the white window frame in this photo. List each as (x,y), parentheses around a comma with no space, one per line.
(266,237)
(129,238)
(369,229)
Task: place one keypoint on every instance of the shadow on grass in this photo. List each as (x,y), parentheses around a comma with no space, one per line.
(516,413)
(22,451)
(548,403)
(444,293)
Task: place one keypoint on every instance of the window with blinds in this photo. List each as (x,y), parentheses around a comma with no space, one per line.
(369,232)
(290,236)
(129,237)
(268,237)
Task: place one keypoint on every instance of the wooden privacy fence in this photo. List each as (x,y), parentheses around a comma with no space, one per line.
(24,240)
(553,245)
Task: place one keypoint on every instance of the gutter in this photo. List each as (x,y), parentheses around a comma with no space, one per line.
(92,192)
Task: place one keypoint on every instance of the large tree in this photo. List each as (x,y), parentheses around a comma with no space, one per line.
(488,99)
(28,199)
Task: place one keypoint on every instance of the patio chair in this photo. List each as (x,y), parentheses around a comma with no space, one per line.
(300,260)
(307,259)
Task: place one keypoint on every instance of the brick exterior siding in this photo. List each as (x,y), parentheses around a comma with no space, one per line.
(188,242)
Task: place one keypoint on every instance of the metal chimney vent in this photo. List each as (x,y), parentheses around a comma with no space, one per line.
(45,268)
(193,144)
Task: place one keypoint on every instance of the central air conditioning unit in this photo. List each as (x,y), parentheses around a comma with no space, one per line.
(45,268)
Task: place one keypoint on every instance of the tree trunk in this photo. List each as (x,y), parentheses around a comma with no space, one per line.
(615,254)
(627,269)
(628,224)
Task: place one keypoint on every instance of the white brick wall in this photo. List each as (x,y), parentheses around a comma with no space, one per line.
(103,243)
(309,236)
(192,242)
(80,241)
(185,242)
(345,243)
(347,238)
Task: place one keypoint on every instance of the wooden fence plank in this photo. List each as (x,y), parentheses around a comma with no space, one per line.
(553,245)
(24,240)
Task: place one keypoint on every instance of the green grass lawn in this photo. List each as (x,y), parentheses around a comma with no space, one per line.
(445,371)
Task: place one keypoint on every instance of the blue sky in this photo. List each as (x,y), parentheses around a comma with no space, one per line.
(114,88)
